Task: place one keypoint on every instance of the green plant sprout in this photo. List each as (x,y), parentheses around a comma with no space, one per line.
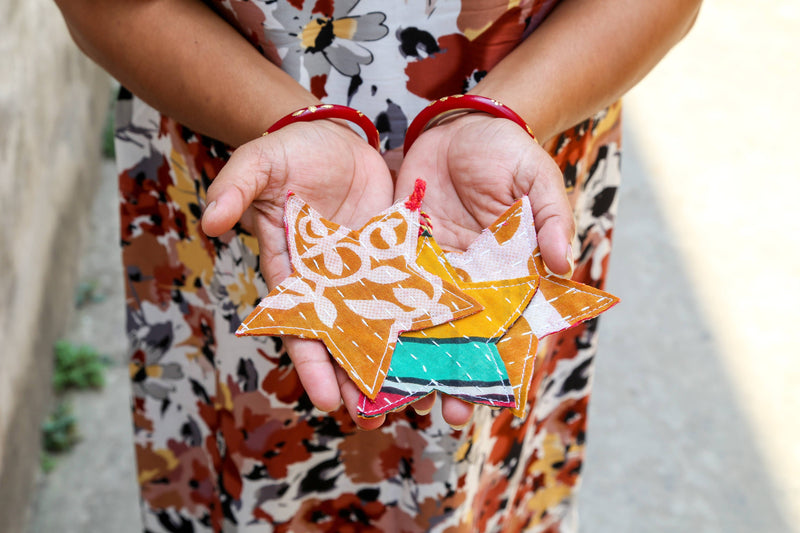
(77,367)
(60,430)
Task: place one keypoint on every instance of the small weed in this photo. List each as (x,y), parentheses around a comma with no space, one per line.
(107,140)
(87,292)
(47,462)
(59,431)
(77,367)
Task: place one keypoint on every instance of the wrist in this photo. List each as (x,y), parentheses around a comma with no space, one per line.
(459,107)
(334,114)
(459,116)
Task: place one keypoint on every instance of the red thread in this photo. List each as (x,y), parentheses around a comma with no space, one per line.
(425,224)
(415,200)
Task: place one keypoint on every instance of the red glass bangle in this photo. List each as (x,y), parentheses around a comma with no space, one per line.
(443,107)
(323,111)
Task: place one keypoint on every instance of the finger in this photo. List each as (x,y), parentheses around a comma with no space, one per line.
(351,396)
(556,247)
(552,215)
(316,372)
(423,406)
(456,412)
(273,252)
(237,185)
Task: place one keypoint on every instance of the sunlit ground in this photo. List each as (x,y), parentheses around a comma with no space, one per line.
(695,424)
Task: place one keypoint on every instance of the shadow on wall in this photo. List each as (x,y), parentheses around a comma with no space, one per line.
(669,448)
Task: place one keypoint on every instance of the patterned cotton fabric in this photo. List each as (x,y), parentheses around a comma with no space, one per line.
(226,439)
(356,291)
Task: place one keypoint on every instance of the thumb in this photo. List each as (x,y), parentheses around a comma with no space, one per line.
(238,184)
(552,215)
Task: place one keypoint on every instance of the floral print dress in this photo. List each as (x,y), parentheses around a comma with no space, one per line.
(226,439)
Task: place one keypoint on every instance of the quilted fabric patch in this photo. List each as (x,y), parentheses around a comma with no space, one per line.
(356,290)
(461,358)
(505,252)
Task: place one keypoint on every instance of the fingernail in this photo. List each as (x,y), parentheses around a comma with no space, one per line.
(331,410)
(210,207)
(570,261)
(459,428)
(422,412)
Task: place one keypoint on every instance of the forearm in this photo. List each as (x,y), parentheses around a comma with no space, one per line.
(187,62)
(585,56)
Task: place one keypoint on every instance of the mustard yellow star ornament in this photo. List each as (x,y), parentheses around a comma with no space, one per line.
(460,358)
(506,250)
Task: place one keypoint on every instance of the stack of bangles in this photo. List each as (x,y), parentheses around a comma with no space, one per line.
(430,116)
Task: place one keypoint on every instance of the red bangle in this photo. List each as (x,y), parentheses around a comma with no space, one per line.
(322,111)
(443,107)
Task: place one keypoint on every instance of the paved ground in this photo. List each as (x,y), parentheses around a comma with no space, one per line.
(93,488)
(694,418)
(694,425)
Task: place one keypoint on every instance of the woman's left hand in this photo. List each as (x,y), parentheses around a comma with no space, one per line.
(476,166)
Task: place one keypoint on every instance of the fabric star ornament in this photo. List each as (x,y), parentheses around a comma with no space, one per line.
(506,250)
(558,304)
(461,358)
(356,291)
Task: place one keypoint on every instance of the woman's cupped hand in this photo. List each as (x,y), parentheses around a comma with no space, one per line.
(331,168)
(476,166)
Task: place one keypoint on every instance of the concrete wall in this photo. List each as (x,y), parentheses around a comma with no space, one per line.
(52,104)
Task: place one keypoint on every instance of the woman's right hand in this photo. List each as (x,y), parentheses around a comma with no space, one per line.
(347,181)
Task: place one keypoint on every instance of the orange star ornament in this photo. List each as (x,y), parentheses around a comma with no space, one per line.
(558,303)
(356,291)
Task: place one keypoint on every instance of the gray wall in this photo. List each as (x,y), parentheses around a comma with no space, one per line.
(52,104)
